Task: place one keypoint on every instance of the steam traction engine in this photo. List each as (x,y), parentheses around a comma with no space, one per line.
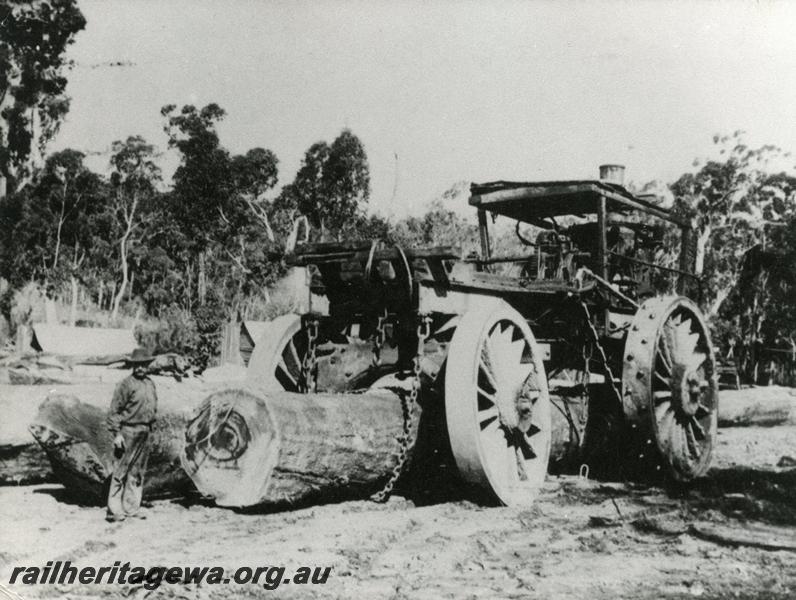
(589,323)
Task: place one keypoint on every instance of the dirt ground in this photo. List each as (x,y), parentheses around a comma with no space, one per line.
(581,539)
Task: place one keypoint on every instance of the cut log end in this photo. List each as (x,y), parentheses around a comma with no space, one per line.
(231,447)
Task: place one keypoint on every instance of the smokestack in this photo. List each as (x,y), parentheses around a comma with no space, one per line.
(613,174)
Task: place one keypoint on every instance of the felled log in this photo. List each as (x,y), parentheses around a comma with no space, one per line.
(79,447)
(23,461)
(33,376)
(255,446)
(249,446)
(759,406)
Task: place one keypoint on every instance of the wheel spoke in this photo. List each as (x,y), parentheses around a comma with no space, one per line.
(486,395)
(679,443)
(693,445)
(485,368)
(294,353)
(488,421)
(664,355)
(497,348)
(662,396)
(493,444)
(702,411)
(515,464)
(664,380)
(532,431)
(661,411)
(698,430)
(286,372)
(527,451)
(666,346)
(488,412)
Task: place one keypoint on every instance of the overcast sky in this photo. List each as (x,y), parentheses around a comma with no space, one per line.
(474,91)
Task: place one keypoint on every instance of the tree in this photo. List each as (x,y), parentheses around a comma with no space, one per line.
(249,240)
(33,38)
(133,180)
(254,174)
(202,182)
(56,224)
(332,186)
(437,227)
(732,204)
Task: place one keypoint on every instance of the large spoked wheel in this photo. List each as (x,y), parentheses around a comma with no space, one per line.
(277,356)
(671,392)
(497,405)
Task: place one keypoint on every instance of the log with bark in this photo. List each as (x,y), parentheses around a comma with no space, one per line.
(249,446)
(759,406)
(75,437)
(22,460)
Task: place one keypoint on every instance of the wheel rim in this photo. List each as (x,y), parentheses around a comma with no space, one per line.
(671,364)
(497,404)
(277,356)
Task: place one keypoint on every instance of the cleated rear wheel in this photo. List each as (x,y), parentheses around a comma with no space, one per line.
(670,388)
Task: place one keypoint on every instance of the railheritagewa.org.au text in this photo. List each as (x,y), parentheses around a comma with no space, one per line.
(269,577)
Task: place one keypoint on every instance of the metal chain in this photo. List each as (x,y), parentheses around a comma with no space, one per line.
(607,373)
(309,364)
(380,338)
(408,405)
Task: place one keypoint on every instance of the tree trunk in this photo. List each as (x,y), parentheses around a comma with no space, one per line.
(73,302)
(202,279)
(721,296)
(76,262)
(112,291)
(58,235)
(701,248)
(123,286)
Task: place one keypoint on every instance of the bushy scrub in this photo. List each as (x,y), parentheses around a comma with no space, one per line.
(174,331)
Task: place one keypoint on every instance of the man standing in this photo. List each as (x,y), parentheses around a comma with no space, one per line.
(132,414)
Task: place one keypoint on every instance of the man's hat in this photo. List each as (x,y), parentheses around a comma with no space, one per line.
(139,356)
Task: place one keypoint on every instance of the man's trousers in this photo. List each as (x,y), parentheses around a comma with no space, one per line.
(127,480)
